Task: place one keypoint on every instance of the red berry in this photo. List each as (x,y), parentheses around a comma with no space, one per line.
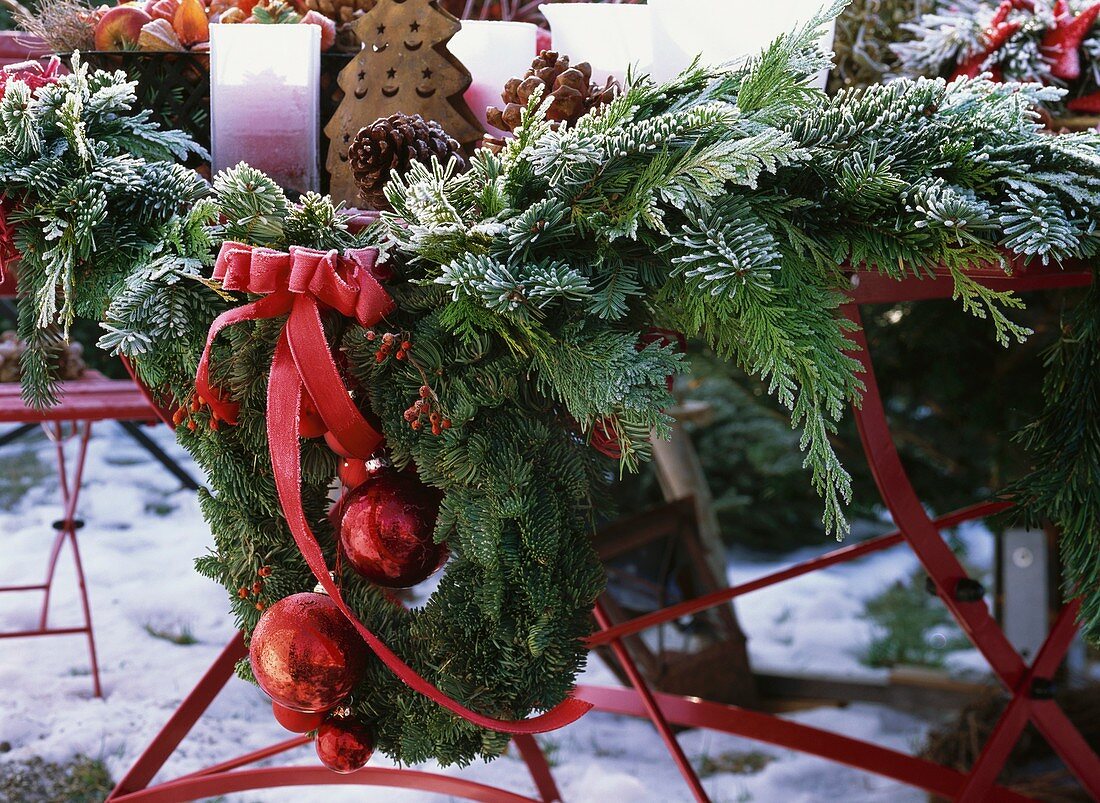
(435,418)
(425,391)
(436,429)
(371,334)
(242,592)
(387,338)
(400,354)
(257,587)
(415,424)
(265,571)
(446,423)
(406,345)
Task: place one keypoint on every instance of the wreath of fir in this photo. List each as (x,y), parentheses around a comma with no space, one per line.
(727,204)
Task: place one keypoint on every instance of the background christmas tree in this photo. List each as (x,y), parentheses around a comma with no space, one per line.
(404,66)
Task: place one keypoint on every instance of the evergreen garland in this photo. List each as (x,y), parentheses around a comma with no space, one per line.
(725,204)
(94,186)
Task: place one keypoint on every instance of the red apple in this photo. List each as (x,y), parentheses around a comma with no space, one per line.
(328,28)
(120,28)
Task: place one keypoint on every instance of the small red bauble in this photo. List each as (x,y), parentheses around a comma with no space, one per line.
(305,654)
(354,473)
(310,423)
(386,529)
(336,446)
(297,721)
(344,746)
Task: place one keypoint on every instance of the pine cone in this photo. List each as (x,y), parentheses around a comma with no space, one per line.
(572,89)
(390,145)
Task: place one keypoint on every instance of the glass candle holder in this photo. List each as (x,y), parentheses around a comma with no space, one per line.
(722,30)
(493,52)
(264,100)
(612,37)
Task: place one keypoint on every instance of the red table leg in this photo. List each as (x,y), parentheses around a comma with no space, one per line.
(970,611)
(653,711)
(66,528)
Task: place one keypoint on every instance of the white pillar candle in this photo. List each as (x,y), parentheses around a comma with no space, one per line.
(612,37)
(264,100)
(723,30)
(493,52)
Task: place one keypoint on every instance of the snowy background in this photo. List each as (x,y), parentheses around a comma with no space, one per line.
(142,534)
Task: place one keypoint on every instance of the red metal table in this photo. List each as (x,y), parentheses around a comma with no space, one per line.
(83,402)
(1029,686)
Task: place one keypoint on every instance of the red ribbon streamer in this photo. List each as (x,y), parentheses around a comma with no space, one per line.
(299,283)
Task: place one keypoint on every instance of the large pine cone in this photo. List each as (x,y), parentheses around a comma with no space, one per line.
(390,145)
(571,87)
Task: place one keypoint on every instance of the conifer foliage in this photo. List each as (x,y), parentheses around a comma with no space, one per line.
(91,182)
(723,204)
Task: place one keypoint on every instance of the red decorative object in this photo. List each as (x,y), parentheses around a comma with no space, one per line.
(344,746)
(386,529)
(305,654)
(310,423)
(8,252)
(998,32)
(605,439)
(298,284)
(353,472)
(32,73)
(297,721)
(1087,104)
(1062,43)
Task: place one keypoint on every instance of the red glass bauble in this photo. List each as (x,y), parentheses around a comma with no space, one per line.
(354,473)
(336,446)
(310,423)
(297,721)
(305,654)
(386,529)
(344,746)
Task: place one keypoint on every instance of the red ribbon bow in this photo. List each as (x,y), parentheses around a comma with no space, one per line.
(299,283)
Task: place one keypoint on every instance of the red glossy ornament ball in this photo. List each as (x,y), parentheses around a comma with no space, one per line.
(310,423)
(344,746)
(297,721)
(336,446)
(386,529)
(305,654)
(354,473)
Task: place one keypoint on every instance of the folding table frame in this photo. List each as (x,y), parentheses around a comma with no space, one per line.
(1029,686)
(83,402)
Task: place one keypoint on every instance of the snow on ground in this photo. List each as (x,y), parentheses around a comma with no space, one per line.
(143,532)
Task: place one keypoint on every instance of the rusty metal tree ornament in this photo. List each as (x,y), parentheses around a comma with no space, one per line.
(404,66)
